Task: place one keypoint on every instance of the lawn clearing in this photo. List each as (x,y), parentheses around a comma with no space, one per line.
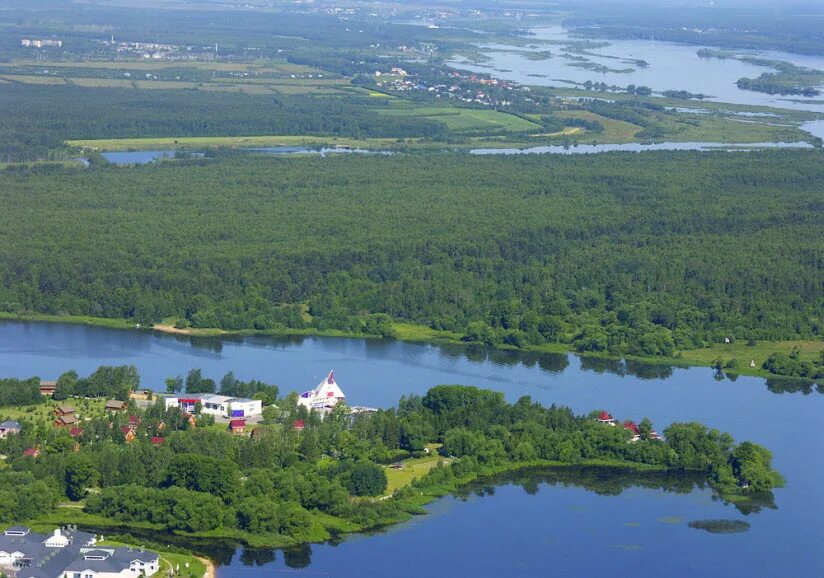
(809,350)
(412,469)
(458,119)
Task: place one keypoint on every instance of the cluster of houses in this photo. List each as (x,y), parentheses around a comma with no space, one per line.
(463,87)
(606,418)
(234,410)
(69,553)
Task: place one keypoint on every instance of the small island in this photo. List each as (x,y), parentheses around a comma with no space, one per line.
(235,460)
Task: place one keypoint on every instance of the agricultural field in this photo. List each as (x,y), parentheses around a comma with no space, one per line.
(463,119)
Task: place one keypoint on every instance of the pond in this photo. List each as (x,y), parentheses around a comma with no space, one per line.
(146,157)
(671,66)
(572,526)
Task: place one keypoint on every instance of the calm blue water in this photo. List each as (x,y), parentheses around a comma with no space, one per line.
(146,157)
(671,67)
(136,157)
(583,149)
(564,529)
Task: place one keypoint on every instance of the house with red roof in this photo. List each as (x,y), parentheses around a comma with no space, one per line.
(606,418)
(76,432)
(237,426)
(158,441)
(32,452)
(299,425)
(633,428)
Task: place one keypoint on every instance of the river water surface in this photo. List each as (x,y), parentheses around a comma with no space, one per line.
(543,524)
(671,66)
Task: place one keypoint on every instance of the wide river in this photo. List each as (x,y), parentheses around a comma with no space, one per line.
(671,67)
(551,524)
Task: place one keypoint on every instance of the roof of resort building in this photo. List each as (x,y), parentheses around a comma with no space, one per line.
(326,394)
(604,416)
(631,426)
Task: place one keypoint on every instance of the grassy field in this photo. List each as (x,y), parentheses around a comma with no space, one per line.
(261,66)
(809,350)
(158,143)
(412,469)
(459,119)
(615,131)
(86,408)
(262,77)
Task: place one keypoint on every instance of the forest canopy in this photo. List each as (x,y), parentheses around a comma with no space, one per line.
(621,253)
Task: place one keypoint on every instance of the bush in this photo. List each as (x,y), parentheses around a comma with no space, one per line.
(367,479)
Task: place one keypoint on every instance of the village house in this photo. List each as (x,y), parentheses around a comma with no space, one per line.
(237,426)
(31,452)
(299,425)
(9,427)
(129,433)
(47,387)
(115,405)
(66,416)
(633,428)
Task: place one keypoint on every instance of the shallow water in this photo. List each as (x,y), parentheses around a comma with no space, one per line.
(671,67)
(571,527)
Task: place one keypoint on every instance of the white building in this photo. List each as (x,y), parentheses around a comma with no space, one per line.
(112,563)
(324,397)
(217,405)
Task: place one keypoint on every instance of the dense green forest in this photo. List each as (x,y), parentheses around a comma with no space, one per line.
(156,467)
(623,253)
(34,120)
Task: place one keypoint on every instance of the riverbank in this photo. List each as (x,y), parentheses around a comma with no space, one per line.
(706,357)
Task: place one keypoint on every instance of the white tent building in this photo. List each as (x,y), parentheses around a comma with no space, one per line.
(324,397)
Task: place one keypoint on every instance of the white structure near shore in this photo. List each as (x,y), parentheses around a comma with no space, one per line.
(326,395)
(216,404)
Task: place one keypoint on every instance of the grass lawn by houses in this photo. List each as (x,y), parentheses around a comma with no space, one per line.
(44,412)
(414,468)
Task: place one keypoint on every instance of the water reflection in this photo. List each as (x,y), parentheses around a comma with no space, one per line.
(609,482)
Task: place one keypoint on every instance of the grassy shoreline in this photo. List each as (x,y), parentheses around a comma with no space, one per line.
(409,332)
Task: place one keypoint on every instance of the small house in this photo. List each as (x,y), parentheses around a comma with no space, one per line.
(63,410)
(47,387)
(68,420)
(76,432)
(115,405)
(129,434)
(32,452)
(158,441)
(606,418)
(299,425)
(9,427)
(237,426)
